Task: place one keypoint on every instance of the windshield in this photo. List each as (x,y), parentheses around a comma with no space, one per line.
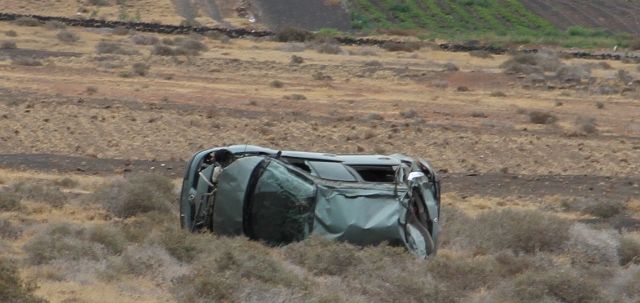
(282,205)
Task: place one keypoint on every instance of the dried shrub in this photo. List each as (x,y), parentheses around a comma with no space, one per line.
(145,261)
(67,37)
(13,288)
(322,257)
(73,242)
(291,34)
(189,47)
(516,230)
(481,54)
(599,105)
(374,117)
(38,192)
(328,47)
(9,201)
(396,46)
(140,39)
(11,33)
(91,90)
(537,117)
(276,84)
(8,45)
(120,31)
(409,114)
(107,47)
(498,94)
(603,209)
(530,63)
(552,285)
(572,73)
(99,2)
(8,230)
(629,250)
(53,24)
(450,67)
(25,61)
(295,97)
(292,47)
(478,114)
(589,246)
(182,245)
(163,50)
(27,21)
(320,76)
(231,267)
(586,125)
(140,69)
(297,59)
(138,194)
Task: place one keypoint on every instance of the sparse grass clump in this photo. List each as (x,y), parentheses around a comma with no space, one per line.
(13,288)
(297,59)
(189,47)
(67,37)
(586,125)
(537,117)
(138,194)
(603,209)
(11,33)
(588,246)
(52,24)
(323,257)
(8,45)
(163,50)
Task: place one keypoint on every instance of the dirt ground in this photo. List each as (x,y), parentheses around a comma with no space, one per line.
(90,116)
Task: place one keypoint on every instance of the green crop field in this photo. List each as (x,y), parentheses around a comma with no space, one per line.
(494,21)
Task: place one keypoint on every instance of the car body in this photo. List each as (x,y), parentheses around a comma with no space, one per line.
(280,197)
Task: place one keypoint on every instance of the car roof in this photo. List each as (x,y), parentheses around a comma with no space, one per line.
(376,160)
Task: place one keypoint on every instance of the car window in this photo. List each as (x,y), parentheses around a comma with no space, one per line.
(331,171)
(282,205)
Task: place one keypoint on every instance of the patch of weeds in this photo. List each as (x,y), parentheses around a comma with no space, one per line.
(320,76)
(120,31)
(477,114)
(163,50)
(538,117)
(498,94)
(599,105)
(8,45)
(189,47)
(67,37)
(138,194)
(374,117)
(603,209)
(144,261)
(11,33)
(328,47)
(532,63)
(450,67)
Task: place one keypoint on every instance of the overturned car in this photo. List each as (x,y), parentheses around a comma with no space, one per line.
(280,197)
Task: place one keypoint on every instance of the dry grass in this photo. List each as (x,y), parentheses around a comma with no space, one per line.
(138,194)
